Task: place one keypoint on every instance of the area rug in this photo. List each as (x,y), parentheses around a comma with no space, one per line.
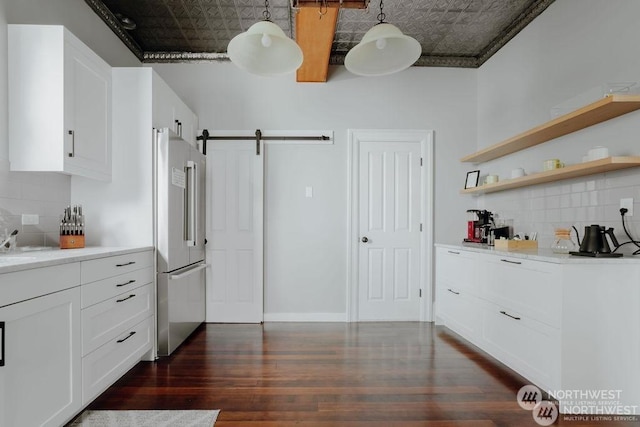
(151,418)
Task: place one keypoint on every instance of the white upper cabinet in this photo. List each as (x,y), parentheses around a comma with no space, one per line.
(169,111)
(59,103)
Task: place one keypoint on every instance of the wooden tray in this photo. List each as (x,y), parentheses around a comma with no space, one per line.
(71,242)
(516,245)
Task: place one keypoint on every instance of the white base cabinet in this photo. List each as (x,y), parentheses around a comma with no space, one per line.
(118,318)
(565,325)
(59,103)
(69,331)
(40,379)
(108,363)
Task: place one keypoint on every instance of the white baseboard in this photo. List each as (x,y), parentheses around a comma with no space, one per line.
(305,317)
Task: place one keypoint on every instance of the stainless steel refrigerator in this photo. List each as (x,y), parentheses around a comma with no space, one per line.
(180,177)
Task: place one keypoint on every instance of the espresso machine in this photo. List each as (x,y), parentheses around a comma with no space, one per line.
(481,228)
(478,225)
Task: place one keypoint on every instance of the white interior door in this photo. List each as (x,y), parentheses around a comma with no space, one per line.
(389,199)
(235,193)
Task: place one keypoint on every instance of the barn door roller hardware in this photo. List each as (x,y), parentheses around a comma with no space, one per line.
(258,137)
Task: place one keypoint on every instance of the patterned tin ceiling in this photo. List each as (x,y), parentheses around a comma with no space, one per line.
(454,33)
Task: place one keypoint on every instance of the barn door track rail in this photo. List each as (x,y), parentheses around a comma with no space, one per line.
(260,136)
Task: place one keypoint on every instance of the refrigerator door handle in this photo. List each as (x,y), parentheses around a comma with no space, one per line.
(192,207)
(188,272)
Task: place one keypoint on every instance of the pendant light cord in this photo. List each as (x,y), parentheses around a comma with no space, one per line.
(381,15)
(266,14)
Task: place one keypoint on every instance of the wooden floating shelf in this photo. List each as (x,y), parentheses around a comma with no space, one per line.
(573,171)
(604,109)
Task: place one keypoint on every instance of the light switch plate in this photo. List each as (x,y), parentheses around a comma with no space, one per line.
(308,191)
(30,219)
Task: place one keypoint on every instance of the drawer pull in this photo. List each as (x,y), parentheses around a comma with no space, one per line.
(508,315)
(124,299)
(511,262)
(125,284)
(2,343)
(453,292)
(125,264)
(454,252)
(132,333)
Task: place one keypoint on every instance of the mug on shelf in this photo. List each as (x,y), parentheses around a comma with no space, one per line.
(491,179)
(552,164)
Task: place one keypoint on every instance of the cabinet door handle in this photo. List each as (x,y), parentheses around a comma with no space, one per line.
(73,143)
(454,252)
(132,333)
(2,343)
(508,315)
(511,262)
(453,292)
(126,283)
(125,264)
(124,299)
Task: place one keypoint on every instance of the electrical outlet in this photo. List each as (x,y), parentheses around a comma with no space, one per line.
(628,205)
(30,219)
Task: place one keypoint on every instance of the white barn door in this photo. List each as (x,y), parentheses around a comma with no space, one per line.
(235,183)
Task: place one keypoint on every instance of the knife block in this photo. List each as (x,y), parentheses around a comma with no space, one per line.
(71,242)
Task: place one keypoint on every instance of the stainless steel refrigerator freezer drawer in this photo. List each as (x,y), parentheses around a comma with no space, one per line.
(181,305)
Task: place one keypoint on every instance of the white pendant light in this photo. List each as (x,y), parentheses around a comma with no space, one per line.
(264,49)
(383,50)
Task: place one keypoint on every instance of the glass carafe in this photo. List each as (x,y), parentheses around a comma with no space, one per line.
(562,243)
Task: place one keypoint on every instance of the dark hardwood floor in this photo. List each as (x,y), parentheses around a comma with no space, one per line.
(329,374)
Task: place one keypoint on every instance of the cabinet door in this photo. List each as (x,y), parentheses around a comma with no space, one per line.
(170,112)
(457,268)
(531,287)
(87,114)
(164,104)
(460,311)
(40,380)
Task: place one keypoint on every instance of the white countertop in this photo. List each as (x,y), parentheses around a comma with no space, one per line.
(540,254)
(27,259)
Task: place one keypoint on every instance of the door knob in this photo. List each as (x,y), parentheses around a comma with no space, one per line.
(365,239)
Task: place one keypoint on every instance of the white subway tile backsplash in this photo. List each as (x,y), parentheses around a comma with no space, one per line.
(553,190)
(44,194)
(553,202)
(578,187)
(579,202)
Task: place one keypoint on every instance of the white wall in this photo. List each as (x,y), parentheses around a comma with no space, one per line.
(306,238)
(571,48)
(45,194)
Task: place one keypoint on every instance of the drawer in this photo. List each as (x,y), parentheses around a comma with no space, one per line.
(26,284)
(102,268)
(528,347)
(107,364)
(460,312)
(456,267)
(101,290)
(528,287)
(104,321)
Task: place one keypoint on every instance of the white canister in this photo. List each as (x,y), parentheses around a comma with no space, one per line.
(597,153)
(517,172)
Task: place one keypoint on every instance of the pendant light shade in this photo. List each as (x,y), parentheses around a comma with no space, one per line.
(265,50)
(383,50)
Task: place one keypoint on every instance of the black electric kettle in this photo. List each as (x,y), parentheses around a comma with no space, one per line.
(595,242)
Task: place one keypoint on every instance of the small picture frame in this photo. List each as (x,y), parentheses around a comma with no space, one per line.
(472,179)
